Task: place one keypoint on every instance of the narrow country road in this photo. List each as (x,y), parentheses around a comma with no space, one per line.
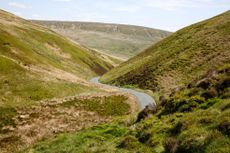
(143,98)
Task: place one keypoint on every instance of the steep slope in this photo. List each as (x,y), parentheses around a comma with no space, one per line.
(37,45)
(122,41)
(178,59)
(33,57)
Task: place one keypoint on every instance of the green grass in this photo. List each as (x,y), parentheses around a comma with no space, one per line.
(18,88)
(24,44)
(32,47)
(198,133)
(107,106)
(186,123)
(103,138)
(6,117)
(178,59)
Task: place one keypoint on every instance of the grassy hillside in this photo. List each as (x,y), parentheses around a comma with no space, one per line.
(36,62)
(122,41)
(44,88)
(192,120)
(178,59)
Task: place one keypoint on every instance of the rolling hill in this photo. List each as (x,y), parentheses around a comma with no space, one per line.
(178,59)
(123,41)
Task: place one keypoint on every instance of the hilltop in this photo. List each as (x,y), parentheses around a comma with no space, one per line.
(178,59)
(123,41)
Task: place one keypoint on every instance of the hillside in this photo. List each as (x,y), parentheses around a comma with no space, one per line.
(31,53)
(123,41)
(178,59)
(43,85)
(193,118)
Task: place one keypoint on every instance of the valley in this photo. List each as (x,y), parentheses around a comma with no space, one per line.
(120,41)
(45,88)
(86,87)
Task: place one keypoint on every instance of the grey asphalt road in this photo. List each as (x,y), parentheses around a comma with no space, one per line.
(143,98)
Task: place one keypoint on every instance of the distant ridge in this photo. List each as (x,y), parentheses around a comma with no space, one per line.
(119,40)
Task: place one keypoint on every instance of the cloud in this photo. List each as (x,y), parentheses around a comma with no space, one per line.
(170,5)
(17,5)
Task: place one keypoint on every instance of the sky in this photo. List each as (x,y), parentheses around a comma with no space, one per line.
(170,15)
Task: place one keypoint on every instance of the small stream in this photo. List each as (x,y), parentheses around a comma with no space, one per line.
(143,98)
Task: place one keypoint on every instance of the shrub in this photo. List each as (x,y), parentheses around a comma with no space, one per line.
(162,100)
(128,142)
(209,103)
(211,93)
(224,127)
(204,84)
(225,106)
(171,145)
(193,140)
(144,137)
(224,83)
(177,128)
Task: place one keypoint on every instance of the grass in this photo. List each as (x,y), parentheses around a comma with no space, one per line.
(186,123)
(106,106)
(38,64)
(91,140)
(18,88)
(69,116)
(178,59)
(32,56)
(50,49)
(6,115)
(193,119)
(103,138)
(122,41)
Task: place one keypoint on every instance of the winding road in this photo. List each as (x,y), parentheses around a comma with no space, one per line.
(143,98)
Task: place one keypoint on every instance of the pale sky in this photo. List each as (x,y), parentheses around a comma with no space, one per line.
(169,15)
